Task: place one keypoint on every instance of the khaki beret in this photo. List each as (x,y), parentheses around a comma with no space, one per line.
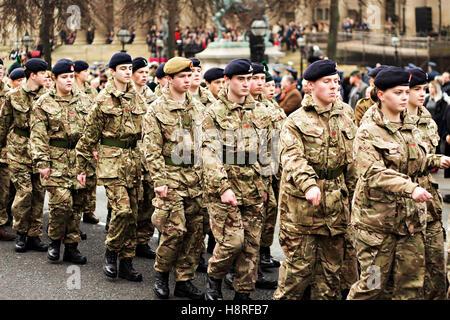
(177,64)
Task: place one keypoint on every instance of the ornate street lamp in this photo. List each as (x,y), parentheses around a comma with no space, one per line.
(395,42)
(27,40)
(301,42)
(124,36)
(257,48)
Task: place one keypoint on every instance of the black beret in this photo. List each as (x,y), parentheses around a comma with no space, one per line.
(35,65)
(269,77)
(138,63)
(119,58)
(159,73)
(63,66)
(373,73)
(391,77)
(17,73)
(80,65)
(195,63)
(258,68)
(418,76)
(319,69)
(238,67)
(213,74)
(1,61)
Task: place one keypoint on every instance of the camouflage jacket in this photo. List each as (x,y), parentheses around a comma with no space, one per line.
(15,115)
(148,95)
(388,159)
(315,140)
(233,132)
(361,107)
(430,137)
(91,92)
(171,134)
(115,119)
(206,97)
(3,91)
(58,120)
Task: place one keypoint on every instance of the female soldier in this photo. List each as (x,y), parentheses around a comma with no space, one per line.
(389,213)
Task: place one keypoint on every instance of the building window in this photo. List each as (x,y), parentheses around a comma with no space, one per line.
(319,14)
(327,14)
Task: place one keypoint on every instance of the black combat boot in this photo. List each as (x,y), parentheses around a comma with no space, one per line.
(72,254)
(241,296)
(144,251)
(110,264)
(263,283)
(21,242)
(34,243)
(185,289)
(89,217)
(161,287)
(5,235)
(83,235)
(213,289)
(202,265)
(266,260)
(126,271)
(54,250)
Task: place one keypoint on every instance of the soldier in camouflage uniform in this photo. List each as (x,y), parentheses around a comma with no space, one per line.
(82,84)
(214,81)
(232,155)
(57,123)
(172,128)
(4,172)
(389,213)
(115,125)
(435,277)
(317,183)
(28,203)
(145,227)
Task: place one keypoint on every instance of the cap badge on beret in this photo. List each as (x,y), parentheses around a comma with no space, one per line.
(72,68)
(250,69)
(410,76)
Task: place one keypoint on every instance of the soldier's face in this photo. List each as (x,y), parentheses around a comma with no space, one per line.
(17,83)
(123,73)
(216,85)
(64,82)
(417,95)
(181,82)
(239,85)
(269,89)
(324,89)
(83,75)
(197,76)
(140,76)
(48,82)
(395,100)
(162,82)
(39,77)
(257,84)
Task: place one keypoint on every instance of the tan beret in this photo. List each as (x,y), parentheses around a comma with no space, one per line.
(177,64)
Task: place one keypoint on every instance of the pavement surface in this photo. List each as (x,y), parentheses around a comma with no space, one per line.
(32,276)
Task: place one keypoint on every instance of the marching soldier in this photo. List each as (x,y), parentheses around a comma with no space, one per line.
(115,124)
(317,184)
(214,81)
(197,91)
(172,128)
(57,123)
(17,77)
(28,204)
(82,84)
(145,227)
(232,158)
(389,211)
(435,282)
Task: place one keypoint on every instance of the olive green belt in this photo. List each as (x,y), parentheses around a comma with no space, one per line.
(118,143)
(22,132)
(239,159)
(168,161)
(329,174)
(63,143)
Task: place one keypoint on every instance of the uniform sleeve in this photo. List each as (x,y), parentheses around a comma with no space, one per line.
(360,109)
(371,167)
(5,120)
(214,174)
(152,145)
(88,141)
(39,139)
(293,160)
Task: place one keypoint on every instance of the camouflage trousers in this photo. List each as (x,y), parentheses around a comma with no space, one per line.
(237,231)
(4,192)
(145,227)
(311,260)
(270,219)
(349,270)
(180,222)
(387,256)
(28,205)
(121,237)
(65,207)
(435,278)
(90,195)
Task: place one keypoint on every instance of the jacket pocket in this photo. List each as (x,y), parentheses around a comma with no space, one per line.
(109,162)
(312,141)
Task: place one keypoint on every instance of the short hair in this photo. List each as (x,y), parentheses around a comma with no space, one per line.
(289,79)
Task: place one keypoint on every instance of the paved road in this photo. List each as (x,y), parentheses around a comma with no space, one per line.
(31,276)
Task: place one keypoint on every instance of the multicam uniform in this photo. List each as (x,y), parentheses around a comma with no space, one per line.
(389,225)
(4,171)
(361,107)
(316,147)
(115,122)
(170,129)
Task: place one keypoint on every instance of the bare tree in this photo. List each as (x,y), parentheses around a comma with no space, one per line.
(334,28)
